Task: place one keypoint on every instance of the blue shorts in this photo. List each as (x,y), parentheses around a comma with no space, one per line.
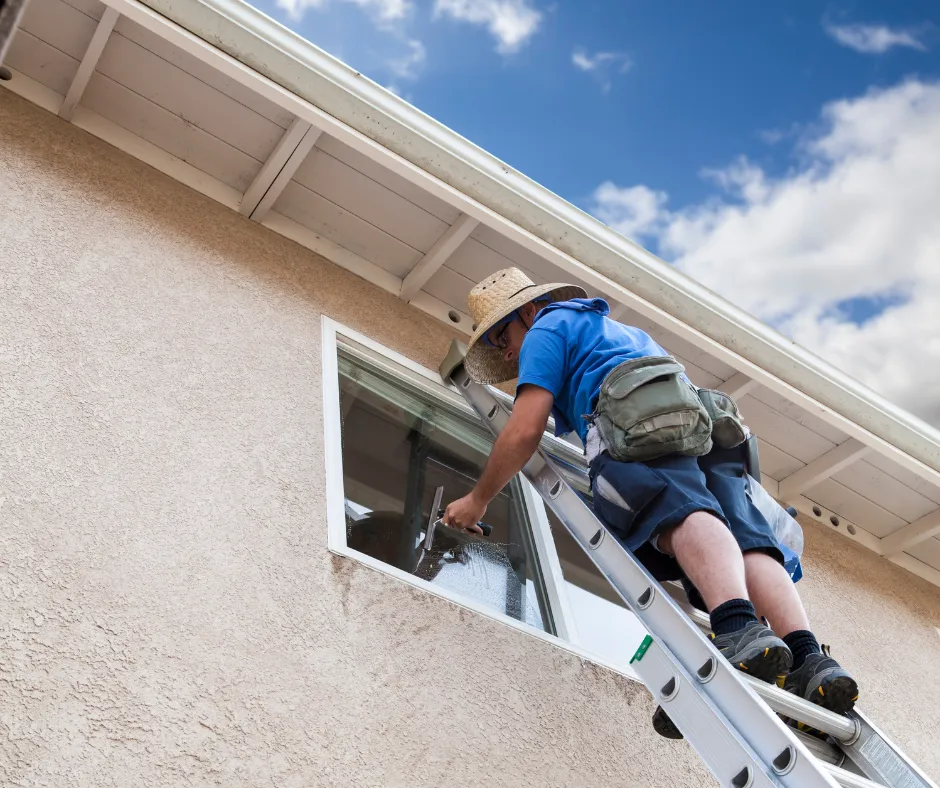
(640,501)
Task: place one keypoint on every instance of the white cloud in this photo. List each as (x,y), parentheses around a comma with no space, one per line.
(511,22)
(857,221)
(295,8)
(633,211)
(407,66)
(383,11)
(397,54)
(772,136)
(602,64)
(873,39)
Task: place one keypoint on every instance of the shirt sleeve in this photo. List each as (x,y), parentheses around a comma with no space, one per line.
(542,360)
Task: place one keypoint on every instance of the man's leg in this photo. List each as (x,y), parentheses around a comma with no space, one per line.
(666,503)
(708,554)
(773,593)
(710,557)
(775,598)
(814,675)
(769,586)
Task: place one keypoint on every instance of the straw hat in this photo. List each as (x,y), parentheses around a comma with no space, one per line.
(490,301)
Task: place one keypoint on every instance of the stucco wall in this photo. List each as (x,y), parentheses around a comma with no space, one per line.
(169,613)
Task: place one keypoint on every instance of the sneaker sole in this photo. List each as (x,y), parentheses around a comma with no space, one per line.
(664,726)
(768,663)
(836,693)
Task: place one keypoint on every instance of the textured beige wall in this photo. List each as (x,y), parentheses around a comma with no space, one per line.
(882,622)
(169,613)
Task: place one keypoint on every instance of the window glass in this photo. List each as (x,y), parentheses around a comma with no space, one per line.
(400,446)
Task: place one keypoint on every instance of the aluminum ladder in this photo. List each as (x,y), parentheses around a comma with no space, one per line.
(730,719)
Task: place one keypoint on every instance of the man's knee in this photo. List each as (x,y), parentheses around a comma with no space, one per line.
(698,525)
(763,562)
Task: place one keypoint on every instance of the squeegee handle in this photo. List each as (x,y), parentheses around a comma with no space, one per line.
(485,527)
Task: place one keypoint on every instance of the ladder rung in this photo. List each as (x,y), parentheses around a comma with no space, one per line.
(739,737)
(842,728)
(832,759)
(821,749)
(849,780)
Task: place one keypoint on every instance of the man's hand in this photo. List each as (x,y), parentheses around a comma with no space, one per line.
(465,513)
(513,448)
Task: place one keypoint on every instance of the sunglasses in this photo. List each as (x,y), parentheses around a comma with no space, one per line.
(501,339)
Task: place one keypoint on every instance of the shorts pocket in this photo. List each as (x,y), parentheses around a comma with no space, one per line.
(622,490)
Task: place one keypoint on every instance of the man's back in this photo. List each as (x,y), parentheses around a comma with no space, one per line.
(571,348)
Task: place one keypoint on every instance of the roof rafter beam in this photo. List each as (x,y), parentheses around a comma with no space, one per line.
(437,255)
(612,266)
(280,177)
(89,61)
(822,468)
(619,312)
(737,385)
(274,164)
(911,534)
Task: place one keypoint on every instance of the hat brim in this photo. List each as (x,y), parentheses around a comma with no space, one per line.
(485,364)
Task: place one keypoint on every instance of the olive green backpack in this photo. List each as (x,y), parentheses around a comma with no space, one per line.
(647,409)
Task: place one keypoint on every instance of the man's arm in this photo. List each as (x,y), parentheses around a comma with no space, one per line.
(513,448)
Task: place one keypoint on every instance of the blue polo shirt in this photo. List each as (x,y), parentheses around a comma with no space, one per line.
(570,349)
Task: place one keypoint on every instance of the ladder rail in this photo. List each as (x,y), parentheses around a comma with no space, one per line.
(738,737)
(680,655)
(845,729)
(880,758)
(849,780)
(857,736)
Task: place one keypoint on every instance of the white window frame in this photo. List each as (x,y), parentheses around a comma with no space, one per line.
(335,335)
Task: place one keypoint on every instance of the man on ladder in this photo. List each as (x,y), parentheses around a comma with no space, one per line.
(666,465)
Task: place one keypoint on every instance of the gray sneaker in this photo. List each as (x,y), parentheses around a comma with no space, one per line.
(823,681)
(754,650)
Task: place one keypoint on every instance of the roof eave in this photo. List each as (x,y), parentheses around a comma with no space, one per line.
(295,64)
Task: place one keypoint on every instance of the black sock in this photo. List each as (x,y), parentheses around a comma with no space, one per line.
(802,643)
(731,616)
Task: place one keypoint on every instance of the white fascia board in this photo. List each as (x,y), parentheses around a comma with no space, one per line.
(553,228)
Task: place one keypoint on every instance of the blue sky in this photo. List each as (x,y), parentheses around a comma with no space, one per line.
(706,81)
(784,154)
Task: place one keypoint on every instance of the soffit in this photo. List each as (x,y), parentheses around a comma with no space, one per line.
(175,102)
